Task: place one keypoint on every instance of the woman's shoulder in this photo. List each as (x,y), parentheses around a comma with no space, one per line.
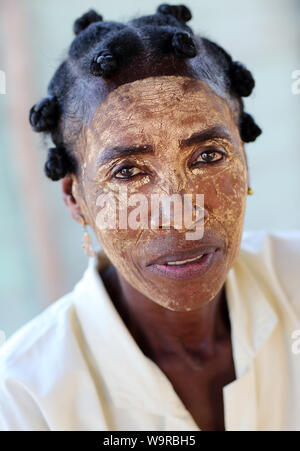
(31,363)
(45,364)
(56,323)
(277,248)
(21,351)
(37,330)
(283,240)
(273,257)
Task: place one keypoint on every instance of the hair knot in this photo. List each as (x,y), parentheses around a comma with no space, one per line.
(183,45)
(59,163)
(241,79)
(103,64)
(85,20)
(249,130)
(180,12)
(43,116)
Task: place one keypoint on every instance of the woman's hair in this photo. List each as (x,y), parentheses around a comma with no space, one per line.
(105,55)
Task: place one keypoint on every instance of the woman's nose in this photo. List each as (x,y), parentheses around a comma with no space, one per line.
(181,211)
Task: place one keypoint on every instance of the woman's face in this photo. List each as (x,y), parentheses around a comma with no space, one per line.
(161,114)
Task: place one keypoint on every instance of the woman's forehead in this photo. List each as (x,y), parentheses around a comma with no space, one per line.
(176,98)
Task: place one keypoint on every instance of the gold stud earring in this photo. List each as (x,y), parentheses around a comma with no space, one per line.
(86,239)
(250,190)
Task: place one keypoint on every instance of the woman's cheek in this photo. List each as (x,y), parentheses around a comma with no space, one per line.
(110,214)
(225,193)
(122,209)
(224,198)
(232,187)
(232,198)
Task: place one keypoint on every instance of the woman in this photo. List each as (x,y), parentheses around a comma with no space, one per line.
(165,331)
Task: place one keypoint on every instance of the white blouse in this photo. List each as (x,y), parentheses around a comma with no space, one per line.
(76,366)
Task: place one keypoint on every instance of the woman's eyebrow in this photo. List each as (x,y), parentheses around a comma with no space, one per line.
(112,152)
(212,133)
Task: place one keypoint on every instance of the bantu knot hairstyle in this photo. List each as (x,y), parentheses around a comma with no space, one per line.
(59,163)
(180,12)
(113,53)
(44,115)
(248,129)
(241,79)
(84,21)
(166,30)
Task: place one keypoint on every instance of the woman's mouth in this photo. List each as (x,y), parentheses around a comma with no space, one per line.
(186,269)
(182,262)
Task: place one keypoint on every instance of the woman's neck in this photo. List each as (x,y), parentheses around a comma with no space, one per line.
(164,334)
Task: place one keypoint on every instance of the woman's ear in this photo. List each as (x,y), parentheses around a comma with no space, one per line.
(72,197)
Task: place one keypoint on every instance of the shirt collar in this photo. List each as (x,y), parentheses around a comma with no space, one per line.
(136,379)
(132,378)
(252,316)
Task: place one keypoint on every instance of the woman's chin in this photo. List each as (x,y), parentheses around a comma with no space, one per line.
(185,299)
(186,293)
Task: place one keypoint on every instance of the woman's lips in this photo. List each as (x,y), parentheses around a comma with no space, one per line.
(187,270)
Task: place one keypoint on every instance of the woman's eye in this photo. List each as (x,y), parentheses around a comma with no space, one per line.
(127,172)
(210,156)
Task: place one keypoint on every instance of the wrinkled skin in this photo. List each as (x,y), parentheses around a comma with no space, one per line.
(151,111)
(187,316)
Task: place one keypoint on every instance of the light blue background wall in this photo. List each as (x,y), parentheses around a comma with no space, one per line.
(265,35)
